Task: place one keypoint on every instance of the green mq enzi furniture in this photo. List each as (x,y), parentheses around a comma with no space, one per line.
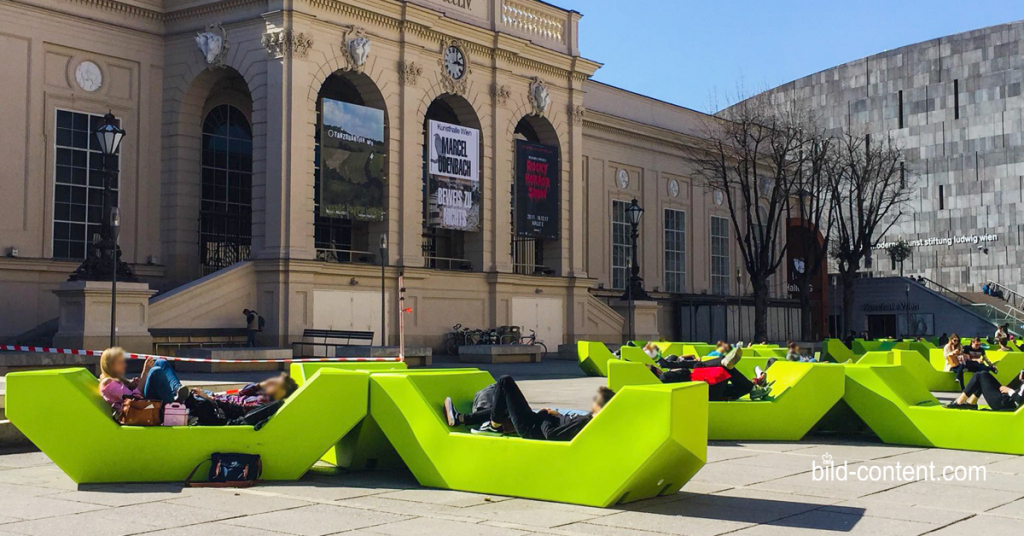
(62,413)
(648,441)
(594,357)
(901,410)
(802,393)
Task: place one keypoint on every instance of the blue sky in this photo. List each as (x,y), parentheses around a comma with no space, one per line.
(684,51)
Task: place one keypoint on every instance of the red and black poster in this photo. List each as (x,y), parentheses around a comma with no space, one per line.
(537,190)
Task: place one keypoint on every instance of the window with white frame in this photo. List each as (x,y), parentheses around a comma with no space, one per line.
(719,255)
(621,245)
(78,184)
(675,250)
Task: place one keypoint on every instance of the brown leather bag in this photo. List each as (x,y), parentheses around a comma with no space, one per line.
(139,412)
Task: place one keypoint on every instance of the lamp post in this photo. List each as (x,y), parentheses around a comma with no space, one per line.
(383,301)
(635,287)
(103,258)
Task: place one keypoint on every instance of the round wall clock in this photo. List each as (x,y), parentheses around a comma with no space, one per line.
(88,76)
(622,178)
(454,62)
(673,188)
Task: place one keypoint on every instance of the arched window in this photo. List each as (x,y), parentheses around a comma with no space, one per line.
(225,227)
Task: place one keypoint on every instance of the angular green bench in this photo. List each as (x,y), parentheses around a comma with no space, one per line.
(801,395)
(900,410)
(594,357)
(648,441)
(930,371)
(837,352)
(62,413)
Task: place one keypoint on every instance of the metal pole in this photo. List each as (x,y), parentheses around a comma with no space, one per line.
(401,316)
(107,175)
(383,301)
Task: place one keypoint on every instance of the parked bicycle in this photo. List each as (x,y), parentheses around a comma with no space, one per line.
(463,336)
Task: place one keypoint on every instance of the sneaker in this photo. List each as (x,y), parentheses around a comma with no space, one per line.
(182,395)
(739,344)
(486,429)
(450,414)
(758,371)
(761,392)
(771,361)
(730,360)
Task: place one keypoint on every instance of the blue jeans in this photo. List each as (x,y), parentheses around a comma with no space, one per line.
(162,383)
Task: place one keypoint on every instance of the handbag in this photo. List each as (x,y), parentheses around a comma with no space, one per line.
(229,470)
(140,412)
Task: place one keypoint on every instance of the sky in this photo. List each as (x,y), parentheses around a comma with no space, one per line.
(702,54)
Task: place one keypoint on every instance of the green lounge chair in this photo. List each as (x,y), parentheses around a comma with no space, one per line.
(930,371)
(594,357)
(837,352)
(900,410)
(62,413)
(648,441)
(802,393)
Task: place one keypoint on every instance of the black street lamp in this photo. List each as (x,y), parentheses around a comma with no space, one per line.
(103,259)
(635,287)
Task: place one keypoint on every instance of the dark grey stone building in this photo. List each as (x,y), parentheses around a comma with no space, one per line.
(956,108)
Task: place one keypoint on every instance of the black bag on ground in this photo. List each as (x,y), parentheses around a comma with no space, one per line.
(229,470)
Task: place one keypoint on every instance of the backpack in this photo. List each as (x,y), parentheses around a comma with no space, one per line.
(229,471)
(262,322)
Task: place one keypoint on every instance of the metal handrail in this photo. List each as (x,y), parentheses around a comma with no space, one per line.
(452,263)
(945,290)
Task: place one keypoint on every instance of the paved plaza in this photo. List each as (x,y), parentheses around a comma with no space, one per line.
(746,488)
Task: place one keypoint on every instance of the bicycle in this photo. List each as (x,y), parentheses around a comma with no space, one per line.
(531,340)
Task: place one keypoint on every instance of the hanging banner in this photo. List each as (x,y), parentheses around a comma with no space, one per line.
(353,162)
(537,190)
(453,196)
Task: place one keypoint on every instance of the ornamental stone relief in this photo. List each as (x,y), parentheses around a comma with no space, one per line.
(213,43)
(283,43)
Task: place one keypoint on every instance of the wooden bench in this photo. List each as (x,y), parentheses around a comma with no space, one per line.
(167,341)
(331,339)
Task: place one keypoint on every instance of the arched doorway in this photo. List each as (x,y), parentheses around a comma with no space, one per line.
(225,215)
(536,192)
(452,178)
(350,170)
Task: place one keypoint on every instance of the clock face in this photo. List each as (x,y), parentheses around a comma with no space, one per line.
(88,76)
(455,62)
(622,178)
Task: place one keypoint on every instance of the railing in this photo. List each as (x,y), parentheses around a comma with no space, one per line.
(960,299)
(1012,297)
(346,256)
(447,263)
(533,20)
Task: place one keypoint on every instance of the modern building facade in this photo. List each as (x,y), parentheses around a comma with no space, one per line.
(273,147)
(954,104)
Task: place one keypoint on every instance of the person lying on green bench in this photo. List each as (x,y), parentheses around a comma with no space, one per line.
(998,396)
(793,353)
(724,381)
(252,404)
(721,349)
(156,382)
(510,405)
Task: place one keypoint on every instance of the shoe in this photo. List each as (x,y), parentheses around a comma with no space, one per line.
(450,414)
(730,360)
(486,429)
(758,371)
(182,395)
(739,344)
(771,361)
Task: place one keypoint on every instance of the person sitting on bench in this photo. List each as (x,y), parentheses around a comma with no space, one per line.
(509,405)
(998,396)
(156,382)
(971,359)
(725,383)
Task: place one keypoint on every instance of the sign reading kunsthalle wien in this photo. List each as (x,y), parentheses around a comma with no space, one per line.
(353,183)
(537,190)
(453,200)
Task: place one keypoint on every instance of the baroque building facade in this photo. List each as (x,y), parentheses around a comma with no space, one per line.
(222,169)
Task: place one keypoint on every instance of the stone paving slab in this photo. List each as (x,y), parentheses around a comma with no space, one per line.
(747,488)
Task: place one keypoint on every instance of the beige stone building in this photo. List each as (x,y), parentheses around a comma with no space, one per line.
(220,172)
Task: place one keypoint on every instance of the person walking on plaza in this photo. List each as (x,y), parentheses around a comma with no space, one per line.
(252,326)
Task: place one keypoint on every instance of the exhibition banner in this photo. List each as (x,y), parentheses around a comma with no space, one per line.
(353,163)
(453,196)
(537,190)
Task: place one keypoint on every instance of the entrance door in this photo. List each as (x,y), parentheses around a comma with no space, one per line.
(881,326)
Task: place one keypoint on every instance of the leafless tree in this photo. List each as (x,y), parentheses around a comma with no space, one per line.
(752,152)
(869,190)
(812,213)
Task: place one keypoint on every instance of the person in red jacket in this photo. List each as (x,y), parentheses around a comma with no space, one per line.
(724,381)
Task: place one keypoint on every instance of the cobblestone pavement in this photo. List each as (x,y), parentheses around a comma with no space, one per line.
(746,488)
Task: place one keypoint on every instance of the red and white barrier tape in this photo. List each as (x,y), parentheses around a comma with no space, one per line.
(97,353)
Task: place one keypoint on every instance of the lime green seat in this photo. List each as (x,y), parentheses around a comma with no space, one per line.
(900,410)
(801,395)
(930,371)
(594,357)
(648,441)
(836,351)
(62,413)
